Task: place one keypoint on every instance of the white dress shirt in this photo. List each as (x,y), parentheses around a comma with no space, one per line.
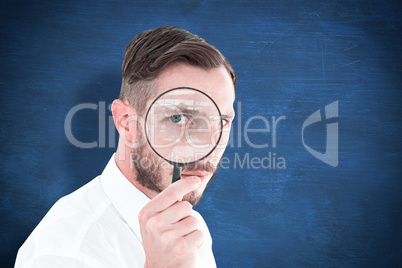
(96,226)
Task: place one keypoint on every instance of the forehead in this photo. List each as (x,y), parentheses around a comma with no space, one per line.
(215,82)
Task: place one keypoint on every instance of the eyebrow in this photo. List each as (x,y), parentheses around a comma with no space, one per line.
(184,110)
(191,111)
(229,116)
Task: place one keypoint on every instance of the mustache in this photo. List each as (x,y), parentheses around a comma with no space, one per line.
(200,166)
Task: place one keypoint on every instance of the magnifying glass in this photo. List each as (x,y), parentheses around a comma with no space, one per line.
(183,126)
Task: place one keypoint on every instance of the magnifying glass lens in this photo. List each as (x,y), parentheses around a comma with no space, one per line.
(183,125)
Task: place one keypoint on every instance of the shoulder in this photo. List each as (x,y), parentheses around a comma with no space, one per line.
(67,222)
(85,204)
(81,207)
(87,198)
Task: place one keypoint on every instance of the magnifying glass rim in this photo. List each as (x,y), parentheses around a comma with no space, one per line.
(185,163)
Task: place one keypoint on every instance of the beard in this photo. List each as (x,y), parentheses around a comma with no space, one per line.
(150,175)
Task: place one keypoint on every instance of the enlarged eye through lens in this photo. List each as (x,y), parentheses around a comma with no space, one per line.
(179,119)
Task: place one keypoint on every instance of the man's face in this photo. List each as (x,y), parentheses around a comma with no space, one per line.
(153,172)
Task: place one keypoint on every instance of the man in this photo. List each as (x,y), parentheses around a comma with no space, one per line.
(132,215)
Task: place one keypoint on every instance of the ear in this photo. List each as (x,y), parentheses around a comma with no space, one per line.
(121,115)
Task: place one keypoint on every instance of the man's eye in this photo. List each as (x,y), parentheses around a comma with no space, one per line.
(179,119)
(225,122)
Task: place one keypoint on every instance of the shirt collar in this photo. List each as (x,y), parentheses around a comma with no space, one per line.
(125,197)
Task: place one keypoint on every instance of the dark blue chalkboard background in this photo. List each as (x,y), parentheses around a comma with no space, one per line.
(292,58)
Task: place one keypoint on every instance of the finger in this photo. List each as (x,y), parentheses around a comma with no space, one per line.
(173,193)
(186,226)
(177,212)
(195,239)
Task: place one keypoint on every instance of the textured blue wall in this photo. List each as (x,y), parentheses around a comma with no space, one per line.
(292,58)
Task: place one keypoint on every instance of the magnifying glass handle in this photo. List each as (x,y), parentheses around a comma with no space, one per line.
(176,173)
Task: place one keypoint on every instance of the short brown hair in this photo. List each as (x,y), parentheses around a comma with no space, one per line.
(153,50)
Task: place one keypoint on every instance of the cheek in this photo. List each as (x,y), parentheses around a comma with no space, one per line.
(217,154)
(166,168)
(215,157)
(158,164)
(166,172)
(225,138)
(223,142)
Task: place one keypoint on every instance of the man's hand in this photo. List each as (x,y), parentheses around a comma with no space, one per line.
(169,230)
